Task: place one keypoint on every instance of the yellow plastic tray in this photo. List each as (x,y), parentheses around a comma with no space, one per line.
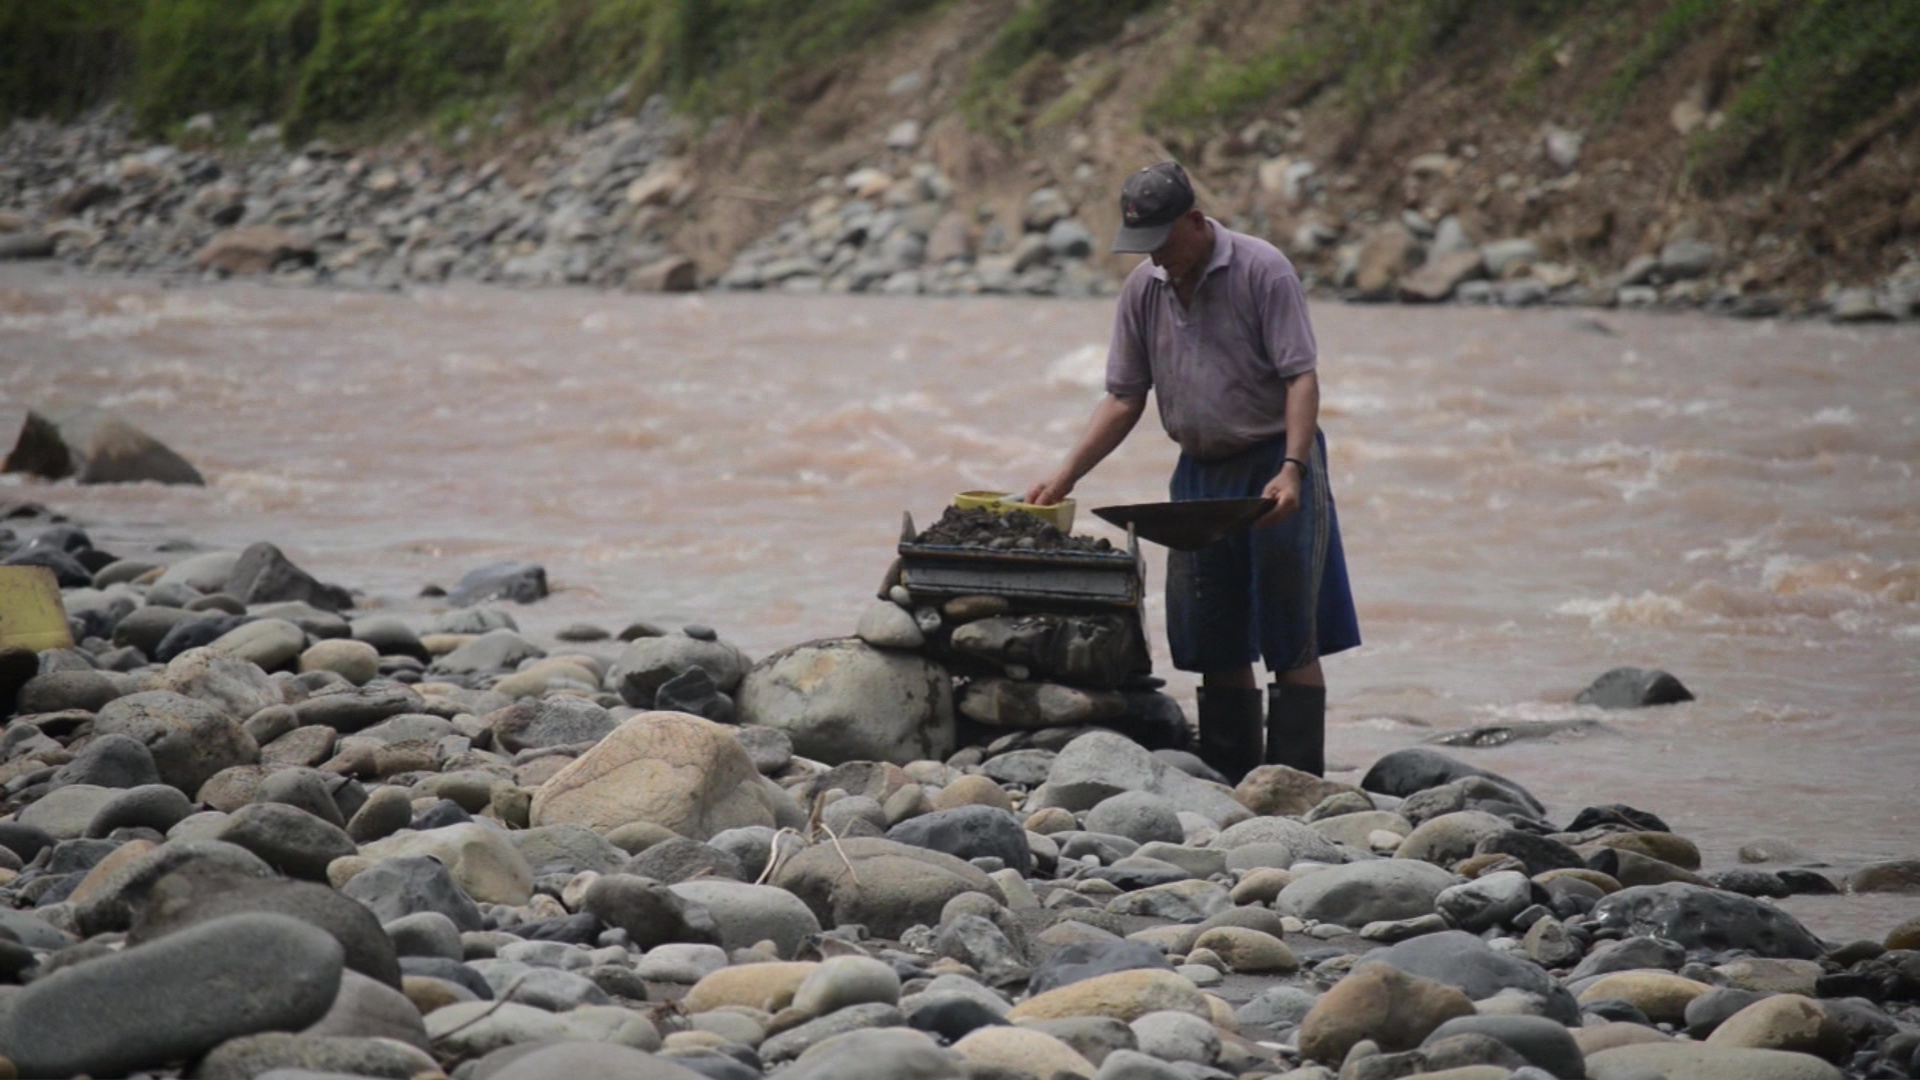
(1059,515)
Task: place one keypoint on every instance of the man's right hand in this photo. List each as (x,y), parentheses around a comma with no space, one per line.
(1049,491)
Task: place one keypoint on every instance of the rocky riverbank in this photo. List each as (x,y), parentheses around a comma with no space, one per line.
(252,827)
(615,201)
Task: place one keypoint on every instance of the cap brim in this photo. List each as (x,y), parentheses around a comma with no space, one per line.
(1141,239)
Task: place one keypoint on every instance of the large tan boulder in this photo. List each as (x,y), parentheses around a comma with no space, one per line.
(1785,1022)
(1662,995)
(253,249)
(670,769)
(1379,1002)
(1281,790)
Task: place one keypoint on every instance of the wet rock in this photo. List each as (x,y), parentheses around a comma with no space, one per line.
(94,446)
(1785,1022)
(1892,876)
(1082,650)
(1633,688)
(1459,959)
(1007,703)
(670,769)
(1359,893)
(1486,902)
(520,582)
(649,663)
(175,998)
(264,575)
(843,700)
(694,692)
(1705,921)
(969,832)
(1417,768)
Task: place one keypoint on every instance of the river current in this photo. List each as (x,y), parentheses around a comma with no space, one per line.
(1528,498)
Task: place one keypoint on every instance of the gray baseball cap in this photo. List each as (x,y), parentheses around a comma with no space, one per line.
(1150,202)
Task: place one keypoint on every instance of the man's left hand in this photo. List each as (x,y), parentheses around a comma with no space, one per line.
(1284,490)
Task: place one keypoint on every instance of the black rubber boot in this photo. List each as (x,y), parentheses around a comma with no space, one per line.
(1297,727)
(1230,724)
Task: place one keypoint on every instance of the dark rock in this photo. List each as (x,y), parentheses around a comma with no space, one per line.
(1541,1042)
(1417,768)
(18,666)
(969,832)
(113,761)
(147,627)
(1615,1011)
(174,999)
(264,575)
(96,447)
(1620,814)
(1131,878)
(579,929)
(453,971)
(196,633)
(1630,954)
(279,1052)
(682,859)
(1807,882)
(289,839)
(390,637)
(70,572)
(190,740)
(1633,688)
(353,710)
(1707,921)
(1711,1009)
(393,888)
(26,841)
(694,691)
(560,720)
(439,815)
(307,789)
(59,691)
(649,912)
(1459,959)
(1749,881)
(951,1016)
(196,894)
(1539,853)
(1080,960)
(153,806)
(520,582)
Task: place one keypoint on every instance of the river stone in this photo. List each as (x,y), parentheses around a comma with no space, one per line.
(1701,1060)
(1359,893)
(425,933)
(650,912)
(1378,1002)
(566,849)
(190,740)
(843,700)
(469,1029)
(841,981)
(289,839)
(269,644)
(1082,960)
(205,889)
(748,914)
(1022,1052)
(883,1054)
(1177,1037)
(1249,952)
(893,886)
(575,1058)
(112,761)
(59,691)
(408,885)
(1462,960)
(274,1053)
(386,811)
(520,582)
(1661,995)
(1417,768)
(355,661)
(973,790)
(670,769)
(1892,876)
(1359,830)
(1283,791)
(1546,1045)
(1300,841)
(482,860)
(1101,764)
(969,832)
(369,1009)
(555,721)
(1123,995)
(174,998)
(1785,1022)
(1633,688)
(1140,816)
(886,625)
(768,987)
(1665,846)
(1450,838)
(1178,901)
(1629,954)
(1486,902)
(1706,921)
(651,662)
(681,962)
(64,813)
(390,636)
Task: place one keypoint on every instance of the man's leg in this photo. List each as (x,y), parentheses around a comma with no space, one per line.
(1231,721)
(1297,719)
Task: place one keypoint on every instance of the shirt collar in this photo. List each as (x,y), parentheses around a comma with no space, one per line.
(1222,253)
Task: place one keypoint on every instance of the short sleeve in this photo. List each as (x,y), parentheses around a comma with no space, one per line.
(1285,328)
(1129,375)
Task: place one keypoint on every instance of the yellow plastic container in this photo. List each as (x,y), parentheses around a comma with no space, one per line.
(1059,515)
(31,613)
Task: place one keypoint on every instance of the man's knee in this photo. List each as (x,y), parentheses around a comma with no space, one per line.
(1230,679)
(1306,675)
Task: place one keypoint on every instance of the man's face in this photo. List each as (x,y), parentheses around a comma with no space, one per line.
(1184,247)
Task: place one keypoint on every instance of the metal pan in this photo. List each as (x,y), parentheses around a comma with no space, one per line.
(1189,525)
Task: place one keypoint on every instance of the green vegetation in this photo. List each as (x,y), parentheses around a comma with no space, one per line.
(1031,44)
(321,63)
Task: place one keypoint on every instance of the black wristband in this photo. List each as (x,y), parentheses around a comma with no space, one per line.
(1296,461)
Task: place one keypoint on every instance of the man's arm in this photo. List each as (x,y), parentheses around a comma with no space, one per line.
(1303,420)
(1113,419)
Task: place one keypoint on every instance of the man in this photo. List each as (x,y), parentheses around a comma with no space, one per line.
(1215,323)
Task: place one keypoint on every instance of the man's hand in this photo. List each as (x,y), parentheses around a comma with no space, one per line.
(1049,491)
(1284,490)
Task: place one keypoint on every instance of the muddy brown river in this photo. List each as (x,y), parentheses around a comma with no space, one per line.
(1529,498)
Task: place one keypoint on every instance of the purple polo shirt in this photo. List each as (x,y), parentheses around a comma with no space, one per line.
(1219,368)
